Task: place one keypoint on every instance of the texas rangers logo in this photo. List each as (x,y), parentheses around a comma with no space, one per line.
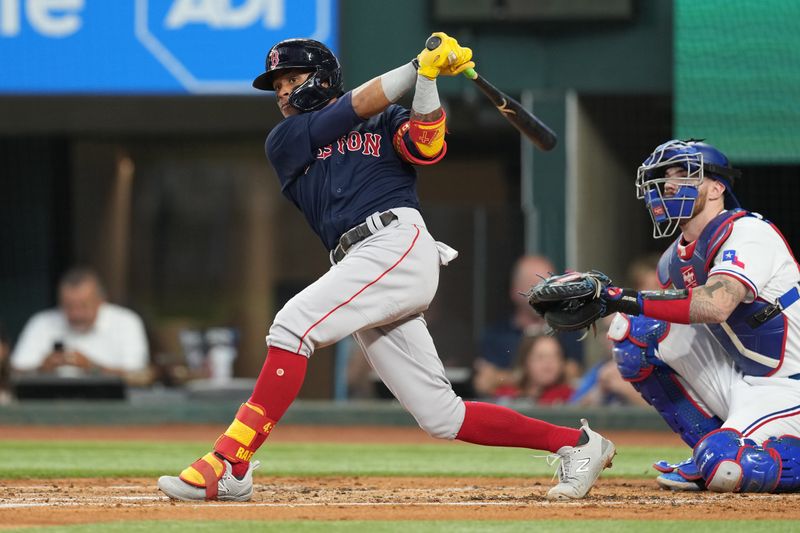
(273,59)
(689,277)
(730,255)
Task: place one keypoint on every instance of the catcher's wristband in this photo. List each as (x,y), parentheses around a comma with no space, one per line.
(626,301)
(669,305)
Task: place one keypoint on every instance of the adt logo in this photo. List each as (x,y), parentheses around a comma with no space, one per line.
(218,46)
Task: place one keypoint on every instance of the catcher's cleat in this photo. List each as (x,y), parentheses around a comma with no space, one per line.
(674,481)
(683,476)
(226,487)
(581,465)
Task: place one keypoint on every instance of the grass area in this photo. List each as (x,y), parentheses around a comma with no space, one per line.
(148,459)
(540,526)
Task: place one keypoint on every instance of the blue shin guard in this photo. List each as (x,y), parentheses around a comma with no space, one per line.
(731,463)
(635,341)
(788,448)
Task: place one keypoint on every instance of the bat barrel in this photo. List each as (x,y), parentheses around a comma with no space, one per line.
(523,120)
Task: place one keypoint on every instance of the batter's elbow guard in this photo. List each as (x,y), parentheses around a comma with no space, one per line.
(422,143)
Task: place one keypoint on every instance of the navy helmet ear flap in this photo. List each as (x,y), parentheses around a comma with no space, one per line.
(317,90)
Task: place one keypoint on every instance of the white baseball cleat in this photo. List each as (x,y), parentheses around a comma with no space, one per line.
(229,488)
(581,465)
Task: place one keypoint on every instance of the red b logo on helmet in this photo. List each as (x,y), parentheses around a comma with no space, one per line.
(273,59)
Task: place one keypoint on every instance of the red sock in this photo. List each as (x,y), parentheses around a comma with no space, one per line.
(276,388)
(279,381)
(494,425)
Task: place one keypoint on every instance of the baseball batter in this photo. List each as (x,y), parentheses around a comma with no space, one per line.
(346,160)
(718,355)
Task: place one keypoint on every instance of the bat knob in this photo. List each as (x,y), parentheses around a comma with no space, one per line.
(433,42)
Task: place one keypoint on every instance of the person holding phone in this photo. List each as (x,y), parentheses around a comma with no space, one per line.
(85,335)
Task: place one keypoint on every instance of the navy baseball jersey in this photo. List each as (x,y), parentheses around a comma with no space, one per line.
(338,168)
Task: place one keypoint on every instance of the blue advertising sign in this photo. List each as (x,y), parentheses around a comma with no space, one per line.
(149,46)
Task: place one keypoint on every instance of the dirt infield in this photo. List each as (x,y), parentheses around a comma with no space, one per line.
(70,501)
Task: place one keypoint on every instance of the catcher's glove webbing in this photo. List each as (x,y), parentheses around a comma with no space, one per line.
(570,301)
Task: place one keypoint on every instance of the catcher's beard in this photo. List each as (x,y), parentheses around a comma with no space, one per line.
(699,205)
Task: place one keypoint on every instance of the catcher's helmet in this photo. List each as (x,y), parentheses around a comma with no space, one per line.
(310,55)
(700,160)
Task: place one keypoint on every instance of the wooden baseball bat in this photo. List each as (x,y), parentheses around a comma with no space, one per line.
(519,117)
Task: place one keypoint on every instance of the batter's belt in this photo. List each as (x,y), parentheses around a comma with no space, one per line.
(349,238)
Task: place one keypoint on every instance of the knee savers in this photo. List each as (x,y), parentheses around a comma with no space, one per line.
(635,341)
(731,463)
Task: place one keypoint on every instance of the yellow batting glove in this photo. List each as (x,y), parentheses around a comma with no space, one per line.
(460,65)
(442,54)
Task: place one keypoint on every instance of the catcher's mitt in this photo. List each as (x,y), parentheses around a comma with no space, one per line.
(570,301)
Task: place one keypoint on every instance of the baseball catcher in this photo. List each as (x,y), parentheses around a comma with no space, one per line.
(717,354)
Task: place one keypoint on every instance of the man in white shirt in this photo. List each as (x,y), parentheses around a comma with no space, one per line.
(85,334)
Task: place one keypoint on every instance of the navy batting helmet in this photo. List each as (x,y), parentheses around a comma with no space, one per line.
(324,83)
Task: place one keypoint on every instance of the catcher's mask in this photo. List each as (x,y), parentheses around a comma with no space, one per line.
(324,83)
(700,160)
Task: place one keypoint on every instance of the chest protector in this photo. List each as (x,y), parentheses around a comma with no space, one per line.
(757,348)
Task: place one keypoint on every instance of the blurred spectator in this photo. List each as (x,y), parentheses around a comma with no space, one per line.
(602,384)
(85,335)
(500,341)
(643,273)
(455,346)
(542,371)
(5,351)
